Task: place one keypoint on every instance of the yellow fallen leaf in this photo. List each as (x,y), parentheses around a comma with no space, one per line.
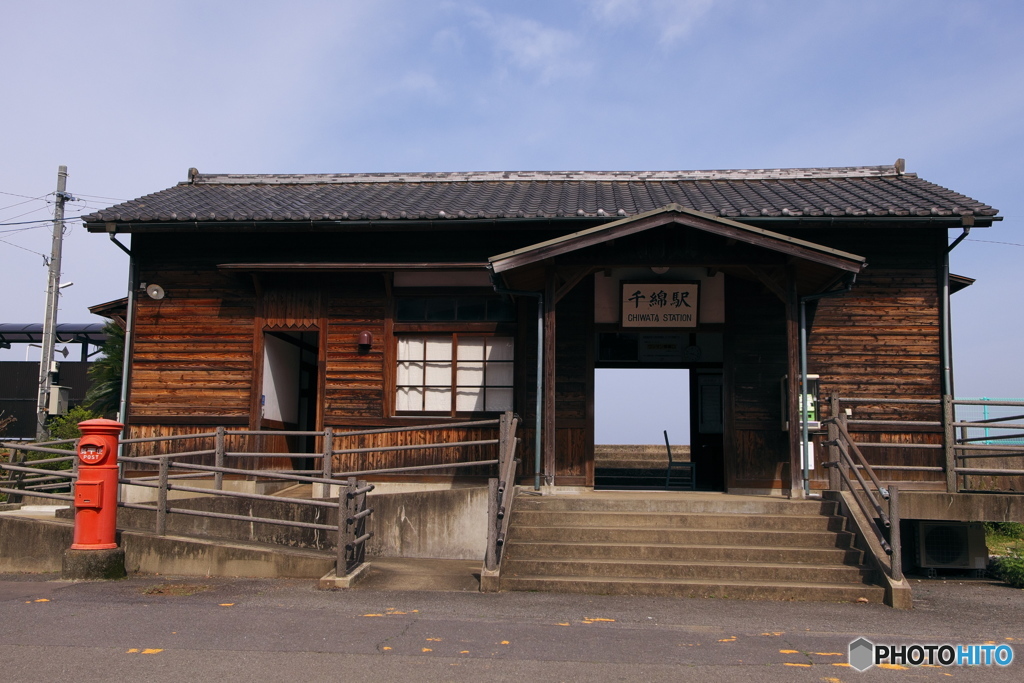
(504,642)
(227,604)
(728,640)
(789,652)
(562,623)
(152,650)
(132,651)
(436,640)
(373,615)
(42,600)
(463,652)
(840,664)
(385,648)
(792,664)
(427,649)
(891,666)
(597,619)
(828,654)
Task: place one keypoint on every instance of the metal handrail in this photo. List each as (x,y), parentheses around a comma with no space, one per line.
(840,445)
(958,444)
(501,492)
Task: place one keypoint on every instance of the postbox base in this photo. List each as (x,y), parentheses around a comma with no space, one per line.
(93,564)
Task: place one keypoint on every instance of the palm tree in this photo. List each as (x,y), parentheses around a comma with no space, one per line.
(104,394)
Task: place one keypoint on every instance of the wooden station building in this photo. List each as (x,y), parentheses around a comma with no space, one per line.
(372,300)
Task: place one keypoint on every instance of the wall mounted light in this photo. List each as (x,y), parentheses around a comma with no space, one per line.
(365,341)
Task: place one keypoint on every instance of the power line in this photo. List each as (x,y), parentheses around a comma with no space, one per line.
(14,230)
(1011,244)
(43,220)
(24,248)
(11,206)
(96,196)
(12,194)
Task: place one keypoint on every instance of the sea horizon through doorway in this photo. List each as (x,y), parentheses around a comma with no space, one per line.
(634,408)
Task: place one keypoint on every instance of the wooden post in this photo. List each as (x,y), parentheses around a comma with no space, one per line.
(504,423)
(490,553)
(218,477)
(843,466)
(549,379)
(346,510)
(834,480)
(359,528)
(896,559)
(328,459)
(949,441)
(161,497)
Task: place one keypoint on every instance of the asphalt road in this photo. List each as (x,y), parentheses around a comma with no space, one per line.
(195,629)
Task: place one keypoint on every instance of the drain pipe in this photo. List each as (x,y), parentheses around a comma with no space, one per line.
(540,369)
(805,446)
(945,334)
(129,324)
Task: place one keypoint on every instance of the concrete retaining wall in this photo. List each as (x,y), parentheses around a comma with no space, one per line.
(440,524)
(32,545)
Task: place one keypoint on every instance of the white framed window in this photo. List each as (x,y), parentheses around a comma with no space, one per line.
(454,373)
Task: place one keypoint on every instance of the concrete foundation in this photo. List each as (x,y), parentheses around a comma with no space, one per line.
(103,564)
(43,546)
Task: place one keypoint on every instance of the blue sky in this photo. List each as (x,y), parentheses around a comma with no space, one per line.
(129,95)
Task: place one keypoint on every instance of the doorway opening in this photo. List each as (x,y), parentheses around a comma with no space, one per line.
(634,409)
(288,399)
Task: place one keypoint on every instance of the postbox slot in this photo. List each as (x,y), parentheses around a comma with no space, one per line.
(89,494)
(91,450)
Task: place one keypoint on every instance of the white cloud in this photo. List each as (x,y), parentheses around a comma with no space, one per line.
(673,20)
(532,46)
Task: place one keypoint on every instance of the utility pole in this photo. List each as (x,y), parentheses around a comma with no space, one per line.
(52,294)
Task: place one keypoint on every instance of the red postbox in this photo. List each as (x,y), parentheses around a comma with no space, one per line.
(96,488)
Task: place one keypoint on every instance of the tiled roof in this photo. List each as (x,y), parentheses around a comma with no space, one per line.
(825,192)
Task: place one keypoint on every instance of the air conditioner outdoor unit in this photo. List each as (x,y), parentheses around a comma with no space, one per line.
(951,545)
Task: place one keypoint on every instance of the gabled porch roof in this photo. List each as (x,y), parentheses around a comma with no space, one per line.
(822,264)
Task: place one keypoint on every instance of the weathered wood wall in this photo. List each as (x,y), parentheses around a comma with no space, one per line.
(881,340)
(574,463)
(193,350)
(756,448)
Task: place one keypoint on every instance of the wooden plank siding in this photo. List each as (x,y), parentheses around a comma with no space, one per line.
(355,382)
(882,340)
(756,449)
(193,350)
(573,369)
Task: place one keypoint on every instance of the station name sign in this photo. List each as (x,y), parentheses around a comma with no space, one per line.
(660,305)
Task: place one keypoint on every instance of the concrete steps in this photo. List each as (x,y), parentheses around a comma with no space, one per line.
(698,545)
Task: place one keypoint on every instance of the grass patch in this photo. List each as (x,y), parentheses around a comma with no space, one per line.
(1003,538)
(177,589)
